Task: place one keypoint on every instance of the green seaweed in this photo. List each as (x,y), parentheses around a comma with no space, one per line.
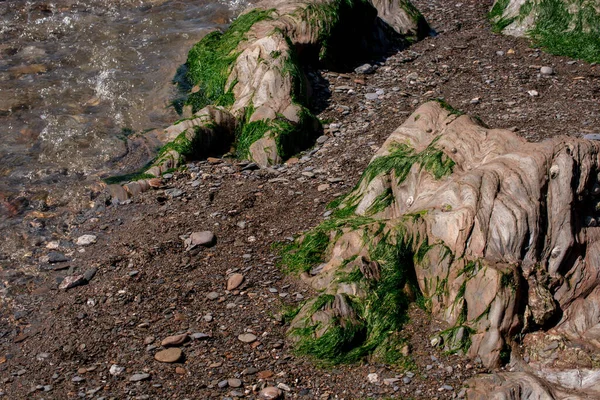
(210,61)
(379,318)
(135,176)
(381,202)
(575,35)
(401,159)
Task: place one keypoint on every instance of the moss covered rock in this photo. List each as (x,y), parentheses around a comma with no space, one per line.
(564,27)
(488,232)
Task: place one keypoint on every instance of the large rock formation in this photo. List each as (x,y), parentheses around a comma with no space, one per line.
(495,236)
(247,87)
(565,27)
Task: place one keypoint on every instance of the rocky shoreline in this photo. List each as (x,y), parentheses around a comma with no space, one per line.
(102,339)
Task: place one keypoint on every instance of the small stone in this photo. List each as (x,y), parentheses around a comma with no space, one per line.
(169,355)
(250,371)
(174,340)
(234,382)
(180,370)
(208,318)
(115,370)
(323,187)
(85,240)
(476,100)
(223,384)
(371,96)
(447,387)
(390,381)
(406,380)
(173,193)
(322,139)
(270,393)
(500,53)
(56,257)
(364,69)
(510,51)
(204,238)
(199,336)
(77,379)
(139,377)
(212,296)
(533,93)
(283,386)
(265,374)
(72,281)
(247,337)
(546,71)
(234,281)
(373,378)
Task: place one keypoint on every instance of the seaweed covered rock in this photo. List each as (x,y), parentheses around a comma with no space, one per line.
(495,236)
(565,27)
(254,69)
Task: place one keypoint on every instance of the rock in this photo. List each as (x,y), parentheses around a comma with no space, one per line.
(485,217)
(199,336)
(204,238)
(55,257)
(72,281)
(533,93)
(85,240)
(247,337)
(212,296)
(373,378)
(223,384)
(546,71)
(234,382)
(323,187)
(322,139)
(115,370)
(364,69)
(270,393)
(371,96)
(139,377)
(180,370)
(89,274)
(234,281)
(173,193)
(174,340)
(169,355)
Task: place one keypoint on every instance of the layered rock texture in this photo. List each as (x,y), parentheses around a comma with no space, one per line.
(495,236)
(565,27)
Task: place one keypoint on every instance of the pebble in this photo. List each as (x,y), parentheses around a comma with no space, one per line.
(533,93)
(323,187)
(115,370)
(270,393)
(85,240)
(547,71)
(204,238)
(223,384)
(373,378)
(212,296)
(234,382)
(72,281)
(247,337)
(322,139)
(208,318)
(364,69)
(56,257)
(406,380)
(447,387)
(169,355)
(173,193)
(371,96)
(283,386)
(199,335)
(234,281)
(174,340)
(139,377)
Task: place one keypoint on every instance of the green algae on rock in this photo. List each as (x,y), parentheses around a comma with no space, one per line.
(484,230)
(564,27)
